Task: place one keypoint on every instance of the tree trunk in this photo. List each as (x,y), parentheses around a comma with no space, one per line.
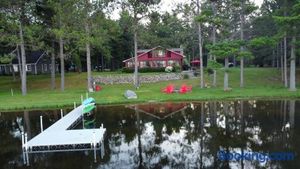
(53,68)
(214,42)
(281,61)
(285,62)
(273,58)
(242,47)
(88,60)
(215,78)
(242,72)
(19,62)
(293,65)
(88,48)
(23,62)
(200,48)
(285,49)
(226,75)
(136,83)
(62,64)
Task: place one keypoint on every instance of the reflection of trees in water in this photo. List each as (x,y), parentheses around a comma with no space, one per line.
(248,126)
(9,138)
(187,139)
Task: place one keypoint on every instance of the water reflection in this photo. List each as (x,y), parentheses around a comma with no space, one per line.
(170,135)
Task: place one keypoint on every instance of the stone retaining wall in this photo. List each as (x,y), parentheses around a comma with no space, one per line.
(143,78)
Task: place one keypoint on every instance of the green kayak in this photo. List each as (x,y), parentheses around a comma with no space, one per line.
(88,122)
(88,108)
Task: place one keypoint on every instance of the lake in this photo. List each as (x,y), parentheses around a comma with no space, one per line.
(227,134)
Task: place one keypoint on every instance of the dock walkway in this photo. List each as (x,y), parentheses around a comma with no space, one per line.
(60,137)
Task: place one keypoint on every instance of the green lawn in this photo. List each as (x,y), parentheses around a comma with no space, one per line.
(260,83)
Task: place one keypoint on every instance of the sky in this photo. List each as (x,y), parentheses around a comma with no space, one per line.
(168,5)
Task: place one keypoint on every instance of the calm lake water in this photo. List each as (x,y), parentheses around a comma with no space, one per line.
(168,135)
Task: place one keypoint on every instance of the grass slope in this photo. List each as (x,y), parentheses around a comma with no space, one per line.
(259,82)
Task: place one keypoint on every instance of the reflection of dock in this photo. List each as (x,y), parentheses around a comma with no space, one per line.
(60,137)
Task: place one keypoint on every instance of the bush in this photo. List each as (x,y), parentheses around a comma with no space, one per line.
(186,76)
(143,70)
(209,71)
(169,69)
(176,69)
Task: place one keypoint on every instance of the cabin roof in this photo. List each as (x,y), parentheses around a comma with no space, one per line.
(31,57)
(143,51)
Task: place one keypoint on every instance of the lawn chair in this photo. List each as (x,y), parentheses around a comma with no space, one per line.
(169,89)
(184,89)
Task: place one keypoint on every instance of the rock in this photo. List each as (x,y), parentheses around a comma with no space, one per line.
(129,94)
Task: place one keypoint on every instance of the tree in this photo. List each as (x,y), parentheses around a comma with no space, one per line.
(15,17)
(138,8)
(62,19)
(200,47)
(244,8)
(224,50)
(291,22)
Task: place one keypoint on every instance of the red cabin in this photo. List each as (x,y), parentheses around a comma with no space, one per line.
(157,57)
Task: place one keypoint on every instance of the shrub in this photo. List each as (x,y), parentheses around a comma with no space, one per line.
(186,76)
(210,71)
(169,69)
(176,68)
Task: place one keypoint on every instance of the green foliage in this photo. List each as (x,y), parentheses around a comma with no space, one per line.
(224,49)
(176,68)
(186,76)
(245,54)
(213,64)
(262,41)
(6,59)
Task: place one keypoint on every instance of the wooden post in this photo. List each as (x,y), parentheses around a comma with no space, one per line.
(94,144)
(23,148)
(26,150)
(41,123)
(61,113)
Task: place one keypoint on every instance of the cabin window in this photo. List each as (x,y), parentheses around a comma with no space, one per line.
(160,63)
(16,69)
(170,62)
(130,64)
(28,68)
(160,53)
(45,67)
(144,64)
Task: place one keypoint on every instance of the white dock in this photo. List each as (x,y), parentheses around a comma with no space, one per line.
(59,137)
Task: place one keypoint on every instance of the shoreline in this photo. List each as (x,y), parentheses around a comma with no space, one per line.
(66,106)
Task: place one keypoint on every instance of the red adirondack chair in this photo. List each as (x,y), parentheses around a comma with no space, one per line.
(169,89)
(184,88)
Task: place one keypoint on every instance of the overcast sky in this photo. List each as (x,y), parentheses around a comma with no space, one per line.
(168,5)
